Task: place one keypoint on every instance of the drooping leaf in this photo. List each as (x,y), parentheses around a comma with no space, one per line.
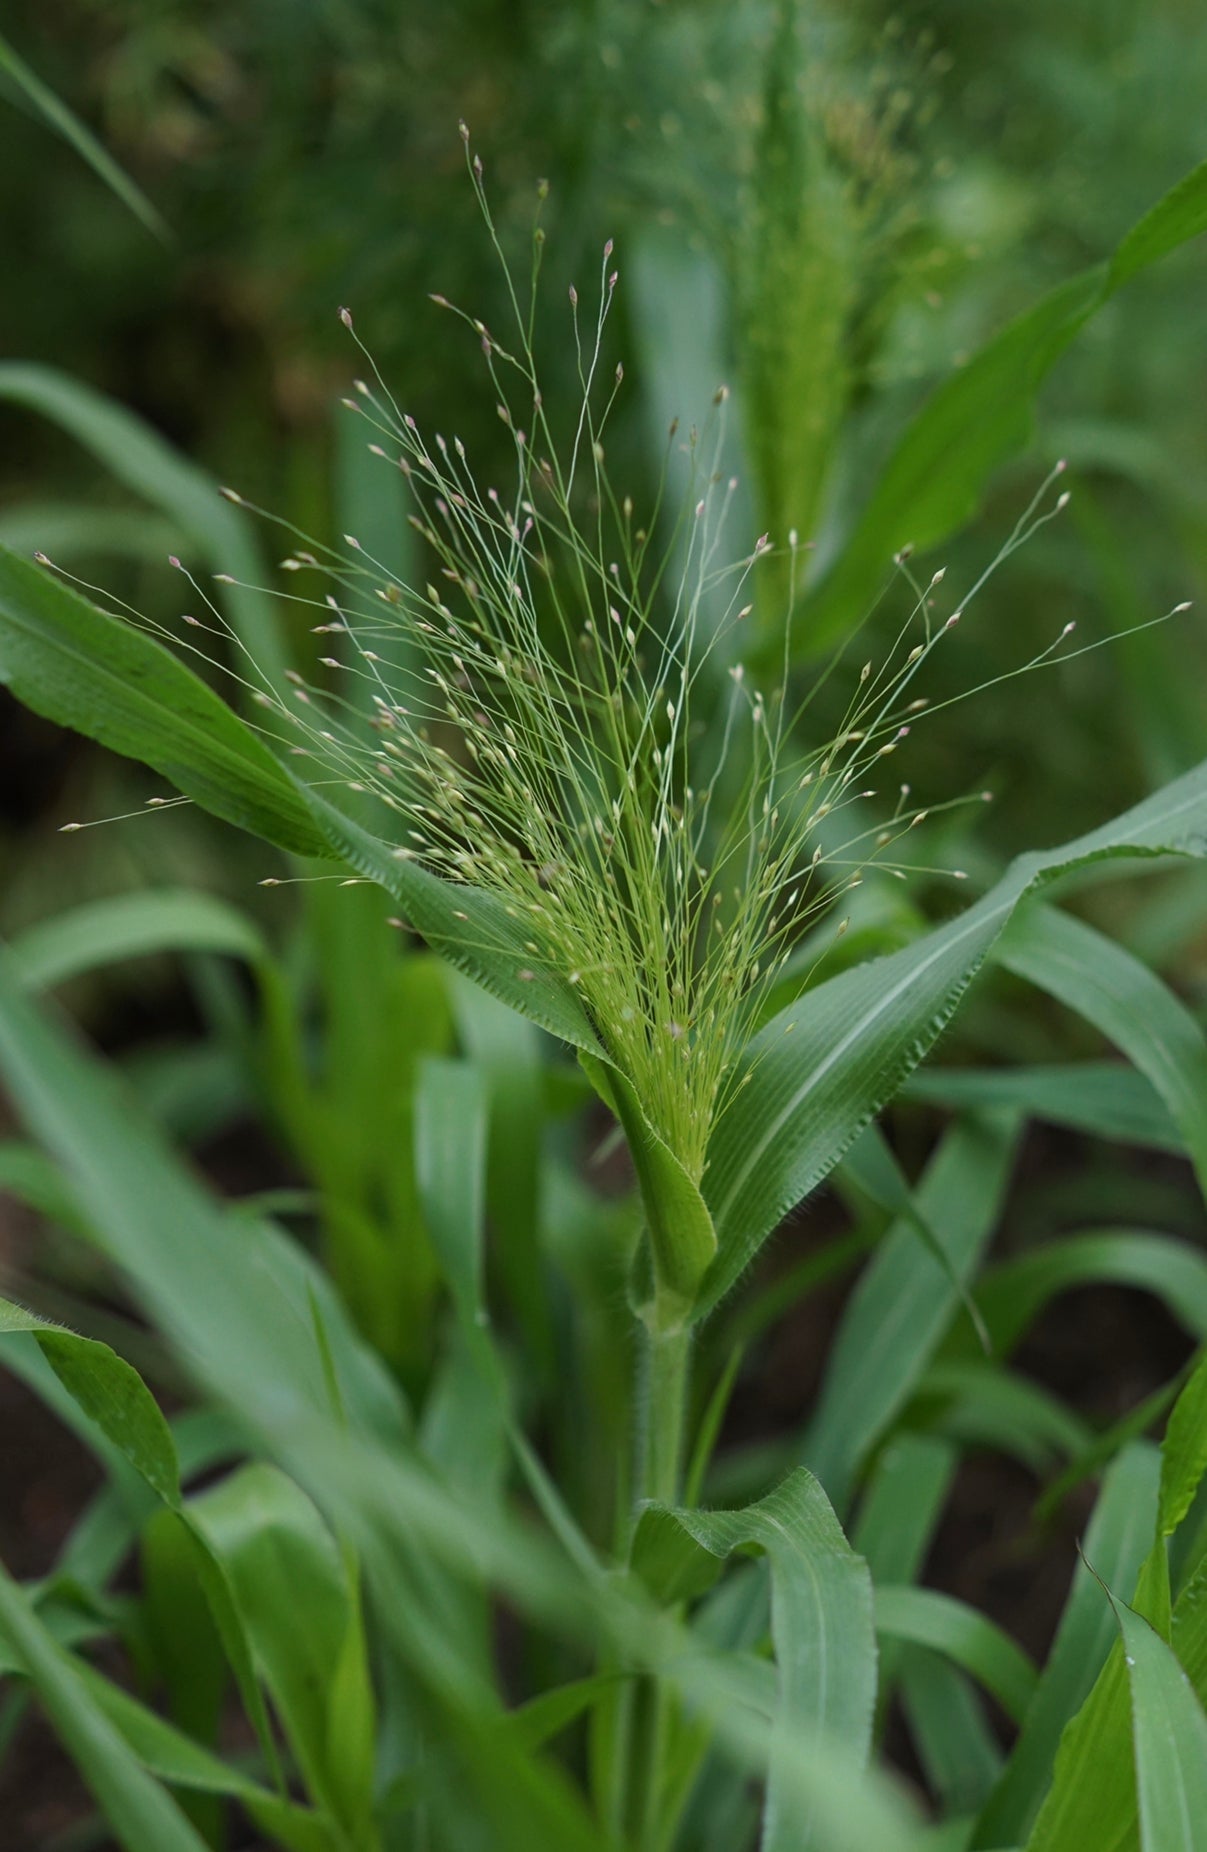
(1107,1099)
(980,1404)
(1109,987)
(78,666)
(1012,1295)
(134,453)
(131,926)
(110,1393)
(821,1619)
(926,1617)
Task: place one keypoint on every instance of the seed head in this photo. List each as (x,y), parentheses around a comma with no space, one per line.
(542,718)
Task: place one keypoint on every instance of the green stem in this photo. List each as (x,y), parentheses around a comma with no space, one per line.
(663,1411)
(645,1717)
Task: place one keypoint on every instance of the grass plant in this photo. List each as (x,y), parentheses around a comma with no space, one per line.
(606,817)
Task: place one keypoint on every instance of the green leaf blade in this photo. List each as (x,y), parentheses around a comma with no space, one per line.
(926,1617)
(132,926)
(133,453)
(821,1621)
(905,1300)
(67,124)
(109,1392)
(140,1812)
(817,1073)
(974,421)
(76,665)
(1116,1542)
(1112,989)
(1169,1740)
(1184,1452)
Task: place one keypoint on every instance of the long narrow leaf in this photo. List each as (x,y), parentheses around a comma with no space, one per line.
(139,1811)
(450,1151)
(818,1072)
(983,1405)
(78,666)
(821,1619)
(927,1618)
(1012,1295)
(1119,1535)
(1093,1797)
(1170,1742)
(66,123)
(1107,1099)
(951,1733)
(131,926)
(905,1301)
(937,475)
(133,453)
(1109,987)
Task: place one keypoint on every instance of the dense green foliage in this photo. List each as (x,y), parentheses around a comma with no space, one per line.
(434,1515)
